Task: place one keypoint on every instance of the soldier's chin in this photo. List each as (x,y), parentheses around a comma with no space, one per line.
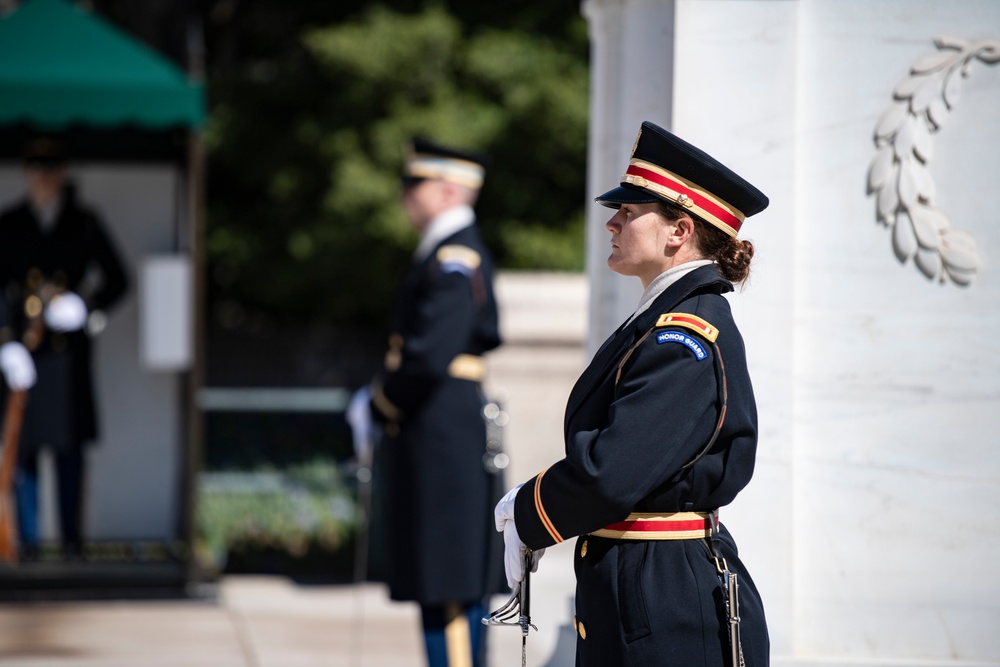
(614,265)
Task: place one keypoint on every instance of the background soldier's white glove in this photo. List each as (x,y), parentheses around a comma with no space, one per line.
(17,366)
(66,312)
(513,548)
(359,416)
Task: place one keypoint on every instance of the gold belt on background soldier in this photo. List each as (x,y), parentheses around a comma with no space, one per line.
(462,367)
(468,367)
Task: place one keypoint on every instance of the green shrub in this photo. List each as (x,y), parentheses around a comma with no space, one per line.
(303,513)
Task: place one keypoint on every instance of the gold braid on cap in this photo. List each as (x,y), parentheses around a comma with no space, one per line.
(686,194)
(453,170)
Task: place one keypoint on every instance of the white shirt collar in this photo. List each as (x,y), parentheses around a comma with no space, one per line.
(47,217)
(443,226)
(663,281)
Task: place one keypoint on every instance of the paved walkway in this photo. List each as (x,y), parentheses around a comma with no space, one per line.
(259,621)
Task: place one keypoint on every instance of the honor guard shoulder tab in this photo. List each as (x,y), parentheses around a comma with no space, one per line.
(691,323)
(458,259)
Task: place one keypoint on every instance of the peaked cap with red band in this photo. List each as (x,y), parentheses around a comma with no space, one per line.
(664,167)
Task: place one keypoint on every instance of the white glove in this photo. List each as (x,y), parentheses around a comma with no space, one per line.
(66,312)
(513,548)
(17,366)
(359,416)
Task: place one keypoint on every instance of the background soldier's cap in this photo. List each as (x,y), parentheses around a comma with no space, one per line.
(664,167)
(427,160)
(44,152)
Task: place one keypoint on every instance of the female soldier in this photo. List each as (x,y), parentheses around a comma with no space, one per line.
(661,431)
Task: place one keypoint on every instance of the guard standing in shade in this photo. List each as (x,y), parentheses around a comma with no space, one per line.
(660,431)
(441,548)
(59,271)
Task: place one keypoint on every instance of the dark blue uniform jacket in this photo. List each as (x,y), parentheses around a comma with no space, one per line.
(631,426)
(61,411)
(441,543)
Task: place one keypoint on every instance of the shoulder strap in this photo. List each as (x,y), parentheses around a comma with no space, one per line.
(710,334)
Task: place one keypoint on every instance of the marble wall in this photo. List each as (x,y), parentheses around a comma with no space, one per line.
(871,319)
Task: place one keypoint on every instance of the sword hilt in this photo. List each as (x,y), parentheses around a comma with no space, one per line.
(518,606)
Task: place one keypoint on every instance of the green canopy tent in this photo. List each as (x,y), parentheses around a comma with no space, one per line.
(114,101)
(64,69)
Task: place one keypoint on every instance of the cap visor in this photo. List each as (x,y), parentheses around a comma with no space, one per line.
(626,195)
(44,162)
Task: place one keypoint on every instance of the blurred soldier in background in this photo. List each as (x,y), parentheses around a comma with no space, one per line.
(58,271)
(441,547)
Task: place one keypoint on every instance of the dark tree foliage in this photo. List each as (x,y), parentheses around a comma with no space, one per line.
(311,103)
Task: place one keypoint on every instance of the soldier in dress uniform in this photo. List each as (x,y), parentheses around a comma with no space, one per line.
(660,430)
(441,548)
(58,269)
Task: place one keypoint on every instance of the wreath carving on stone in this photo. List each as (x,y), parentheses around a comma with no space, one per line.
(899,176)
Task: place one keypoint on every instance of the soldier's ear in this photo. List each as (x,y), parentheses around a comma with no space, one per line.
(681,231)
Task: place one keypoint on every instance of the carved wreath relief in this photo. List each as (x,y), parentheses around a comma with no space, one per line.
(899,174)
